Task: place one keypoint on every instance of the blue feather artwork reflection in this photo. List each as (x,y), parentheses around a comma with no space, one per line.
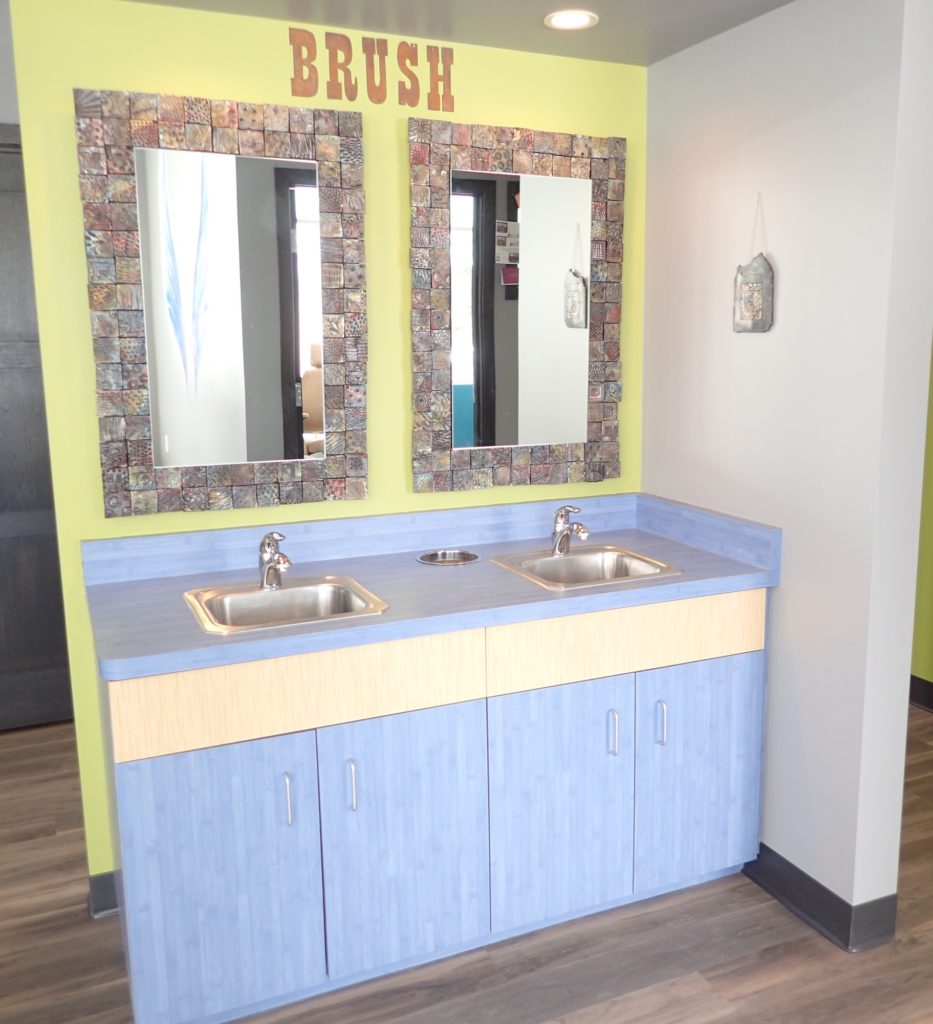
(199,292)
(189,234)
(187,314)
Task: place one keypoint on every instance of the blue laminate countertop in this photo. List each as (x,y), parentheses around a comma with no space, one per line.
(142,625)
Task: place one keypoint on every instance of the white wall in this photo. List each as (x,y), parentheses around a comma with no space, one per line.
(817,426)
(553,360)
(9,110)
(903,437)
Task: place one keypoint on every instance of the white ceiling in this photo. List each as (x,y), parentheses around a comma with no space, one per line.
(629,32)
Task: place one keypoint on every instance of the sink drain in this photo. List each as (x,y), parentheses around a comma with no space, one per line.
(447,556)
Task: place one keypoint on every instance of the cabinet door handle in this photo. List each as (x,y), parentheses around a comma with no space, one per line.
(663,706)
(289,817)
(615,737)
(354,804)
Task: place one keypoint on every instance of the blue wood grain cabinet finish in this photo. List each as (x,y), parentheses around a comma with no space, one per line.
(406,874)
(561,770)
(223,904)
(698,768)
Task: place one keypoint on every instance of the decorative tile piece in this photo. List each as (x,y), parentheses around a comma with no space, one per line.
(108,125)
(224,114)
(275,118)
(435,149)
(171,108)
(144,106)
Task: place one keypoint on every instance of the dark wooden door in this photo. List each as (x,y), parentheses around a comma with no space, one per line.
(34,682)
(287,179)
(484,340)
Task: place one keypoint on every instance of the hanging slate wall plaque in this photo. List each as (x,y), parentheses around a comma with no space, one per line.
(753,309)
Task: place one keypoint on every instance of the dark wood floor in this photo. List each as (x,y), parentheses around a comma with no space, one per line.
(722,952)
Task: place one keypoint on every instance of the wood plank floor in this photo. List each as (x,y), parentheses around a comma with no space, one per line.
(722,952)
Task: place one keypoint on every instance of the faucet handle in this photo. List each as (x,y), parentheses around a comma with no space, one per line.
(563,514)
(269,545)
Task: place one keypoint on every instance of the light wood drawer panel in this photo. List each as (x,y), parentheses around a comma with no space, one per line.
(190,710)
(529,655)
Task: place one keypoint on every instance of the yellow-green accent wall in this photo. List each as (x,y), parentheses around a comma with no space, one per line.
(60,45)
(922,663)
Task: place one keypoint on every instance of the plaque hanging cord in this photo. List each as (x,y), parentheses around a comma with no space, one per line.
(577,257)
(759,219)
(575,287)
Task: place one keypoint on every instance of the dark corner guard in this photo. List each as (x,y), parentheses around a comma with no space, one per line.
(853,928)
(921,693)
(102,895)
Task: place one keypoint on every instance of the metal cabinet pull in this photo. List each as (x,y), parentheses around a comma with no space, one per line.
(289,817)
(353,801)
(663,706)
(615,737)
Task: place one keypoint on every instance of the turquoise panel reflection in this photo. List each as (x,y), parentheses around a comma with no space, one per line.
(463,416)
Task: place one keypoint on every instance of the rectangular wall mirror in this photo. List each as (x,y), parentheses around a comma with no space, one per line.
(516,305)
(231,273)
(228,302)
(519,372)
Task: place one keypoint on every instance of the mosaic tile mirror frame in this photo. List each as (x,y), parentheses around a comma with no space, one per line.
(436,148)
(109,126)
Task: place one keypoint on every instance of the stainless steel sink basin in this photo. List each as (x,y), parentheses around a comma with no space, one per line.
(585,566)
(238,608)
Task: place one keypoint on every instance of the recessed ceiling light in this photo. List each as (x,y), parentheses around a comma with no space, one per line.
(571,20)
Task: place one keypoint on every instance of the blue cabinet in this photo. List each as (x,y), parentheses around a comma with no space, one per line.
(221,877)
(561,767)
(405,836)
(260,871)
(698,769)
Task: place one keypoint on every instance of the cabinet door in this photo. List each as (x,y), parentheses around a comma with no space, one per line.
(221,876)
(698,768)
(561,764)
(405,834)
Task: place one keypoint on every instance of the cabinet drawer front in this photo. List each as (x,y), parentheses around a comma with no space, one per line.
(698,769)
(529,655)
(561,800)
(191,710)
(404,825)
(222,894)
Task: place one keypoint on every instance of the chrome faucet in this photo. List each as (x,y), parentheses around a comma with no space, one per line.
(272,562)
(564,529)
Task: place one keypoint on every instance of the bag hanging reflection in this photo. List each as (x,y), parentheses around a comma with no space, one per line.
(575,304)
